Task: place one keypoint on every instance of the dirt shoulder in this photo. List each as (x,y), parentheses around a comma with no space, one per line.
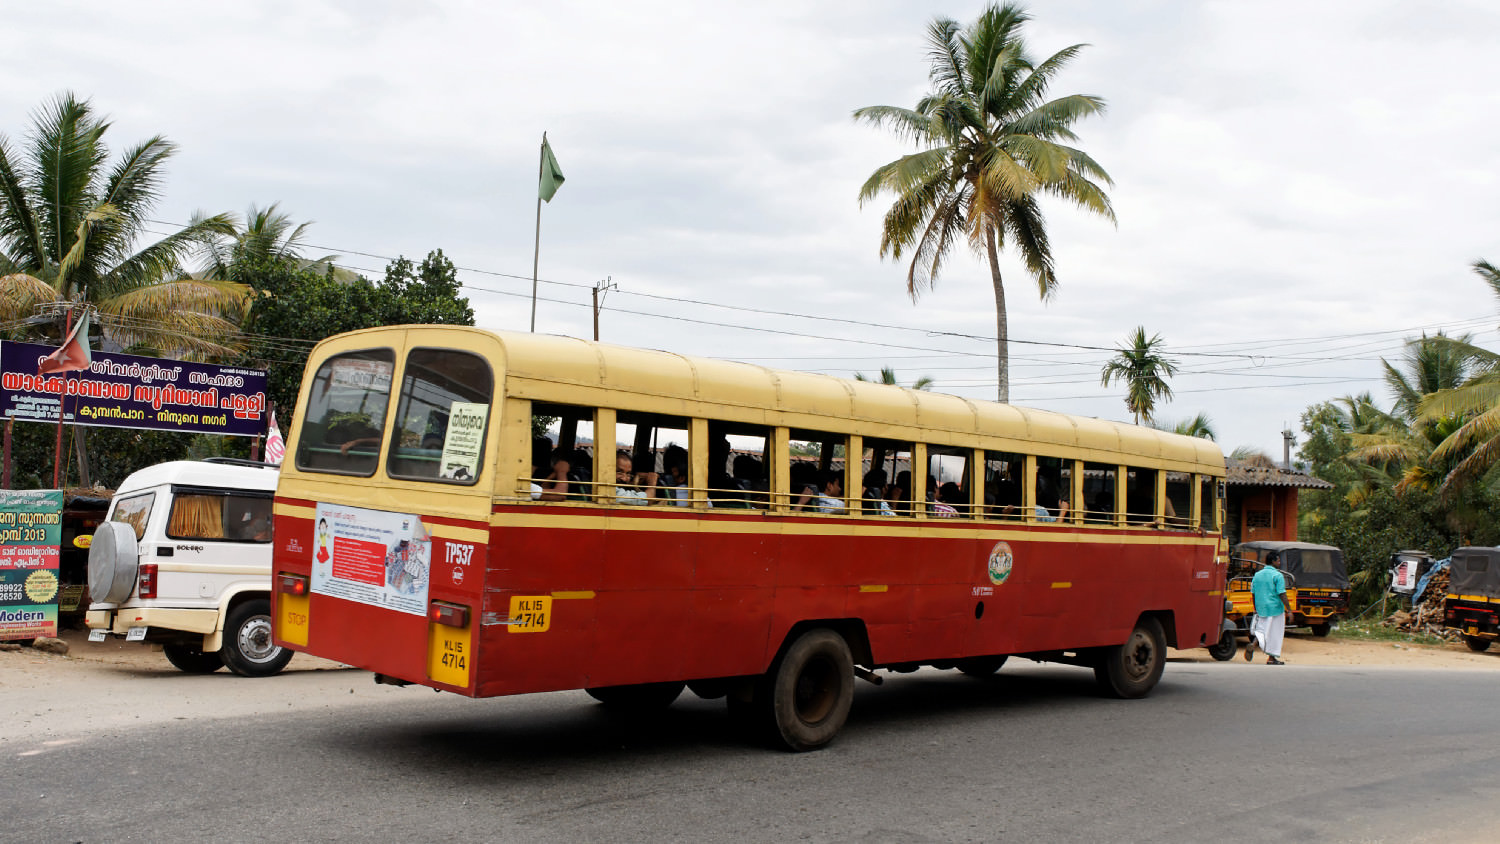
(1306,649)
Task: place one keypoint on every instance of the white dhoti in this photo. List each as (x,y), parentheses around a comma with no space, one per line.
(1268,631)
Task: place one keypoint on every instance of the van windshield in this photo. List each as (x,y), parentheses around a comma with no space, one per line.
(344,425)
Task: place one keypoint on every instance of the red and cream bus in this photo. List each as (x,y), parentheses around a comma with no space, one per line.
(709,528)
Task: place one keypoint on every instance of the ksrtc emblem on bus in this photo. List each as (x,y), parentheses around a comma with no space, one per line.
(1001,562)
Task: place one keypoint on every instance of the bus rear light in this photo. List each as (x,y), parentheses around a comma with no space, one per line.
(291,584)
(147,587)
(453,615)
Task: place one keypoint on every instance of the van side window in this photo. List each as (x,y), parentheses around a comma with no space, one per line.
(134,511)
(218,516)
(442,418)
(345,420)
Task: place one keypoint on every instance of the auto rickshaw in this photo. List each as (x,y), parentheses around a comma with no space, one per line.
(1317,584)
(1473,599)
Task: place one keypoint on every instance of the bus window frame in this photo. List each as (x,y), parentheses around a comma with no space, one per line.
(390,445)
(302,444)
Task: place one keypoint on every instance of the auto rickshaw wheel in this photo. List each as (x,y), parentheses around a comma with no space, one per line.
(1321,630)
(1477,644)
(1224,649)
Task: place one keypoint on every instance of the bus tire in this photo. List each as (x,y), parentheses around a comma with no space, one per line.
(248,649)
(1476,644)
(1132,669)
(191,659)
(980,666)
(1224,649)
(811,690)
(1321,630)
(641,697)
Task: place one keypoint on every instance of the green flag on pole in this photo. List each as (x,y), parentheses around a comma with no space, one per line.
(552,176)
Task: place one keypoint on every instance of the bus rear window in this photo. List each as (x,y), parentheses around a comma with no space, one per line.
(344,424)
(442,417)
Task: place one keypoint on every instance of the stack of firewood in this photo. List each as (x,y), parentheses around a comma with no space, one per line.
(1427,616)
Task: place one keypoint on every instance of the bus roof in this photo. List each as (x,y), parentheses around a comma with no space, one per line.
(666,380)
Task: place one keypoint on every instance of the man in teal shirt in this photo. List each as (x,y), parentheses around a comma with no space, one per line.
(1271,606)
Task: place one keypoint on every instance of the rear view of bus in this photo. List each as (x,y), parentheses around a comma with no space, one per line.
(382,519)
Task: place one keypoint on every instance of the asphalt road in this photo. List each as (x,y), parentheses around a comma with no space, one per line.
(1220,752)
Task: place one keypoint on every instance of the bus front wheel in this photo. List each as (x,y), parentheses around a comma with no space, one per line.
(811,690)
(1132,669)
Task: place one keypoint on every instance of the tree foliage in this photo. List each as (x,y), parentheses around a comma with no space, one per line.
(1144,369)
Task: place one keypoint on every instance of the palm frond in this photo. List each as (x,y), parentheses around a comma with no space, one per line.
(20,239)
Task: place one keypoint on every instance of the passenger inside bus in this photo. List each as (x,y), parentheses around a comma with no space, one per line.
(874,494)
(804,487)
(832,498)
(675,475)
(632,487)
(899,496)
(549,472)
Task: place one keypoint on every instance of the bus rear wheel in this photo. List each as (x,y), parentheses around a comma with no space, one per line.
(1132,669)
(641,697)
(1476,644)
(811,690)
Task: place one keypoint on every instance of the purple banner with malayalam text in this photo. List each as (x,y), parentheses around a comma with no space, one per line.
(130,391)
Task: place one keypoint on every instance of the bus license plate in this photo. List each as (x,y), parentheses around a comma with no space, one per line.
(530,613)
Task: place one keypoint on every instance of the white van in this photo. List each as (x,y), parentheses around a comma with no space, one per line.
(183,560)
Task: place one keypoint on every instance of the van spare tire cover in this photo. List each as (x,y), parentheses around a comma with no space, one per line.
(112,563)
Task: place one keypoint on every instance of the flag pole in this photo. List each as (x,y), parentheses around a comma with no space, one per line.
(541,157)
(61,398)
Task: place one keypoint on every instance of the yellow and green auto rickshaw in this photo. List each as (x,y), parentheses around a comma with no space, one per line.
(1472,605)
(1316,583)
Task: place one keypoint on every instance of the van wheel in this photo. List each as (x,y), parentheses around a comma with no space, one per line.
(642,697)
(248,649)
(1224,649)
(192,660)
(811,690)
(1476,644)
(1132,669)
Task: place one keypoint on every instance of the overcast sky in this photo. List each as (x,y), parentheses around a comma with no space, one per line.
(1299,185)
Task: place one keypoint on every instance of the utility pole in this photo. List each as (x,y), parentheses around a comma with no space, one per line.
(601,287)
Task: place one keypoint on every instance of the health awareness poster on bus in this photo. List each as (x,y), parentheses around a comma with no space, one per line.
(30,549)
(372,557)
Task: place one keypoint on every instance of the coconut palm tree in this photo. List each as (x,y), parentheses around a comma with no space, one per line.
(888,376)
(267,234)
(992,144)
(1145,370)
(70,226)
(1199,426)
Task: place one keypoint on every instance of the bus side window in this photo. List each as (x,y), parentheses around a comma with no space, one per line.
(645,438)
(885,488)
(1140,495)
(442,418)
(1054,481)
(1208,503)
(949,481)
(1099,493)
(738,457)
(1178,507)
(558,464)
(1004,472)
(822,453)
